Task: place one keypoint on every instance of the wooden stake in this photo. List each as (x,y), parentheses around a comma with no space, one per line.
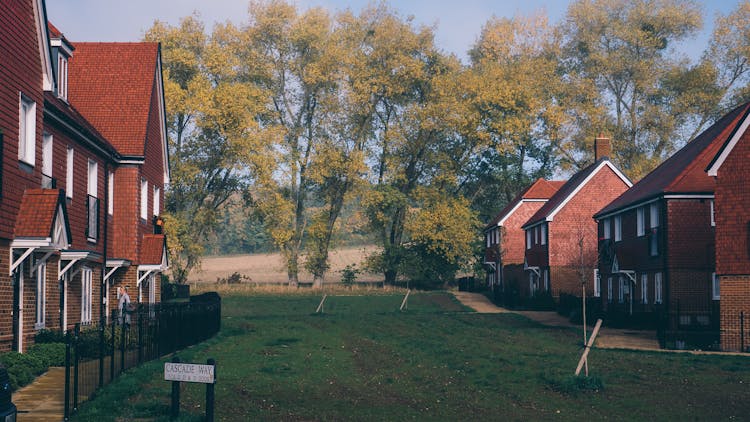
(403,303)
(320,307)
(588,346)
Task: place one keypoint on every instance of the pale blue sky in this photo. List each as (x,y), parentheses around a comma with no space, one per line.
(458,22)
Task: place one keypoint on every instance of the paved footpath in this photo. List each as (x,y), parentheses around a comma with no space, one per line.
(42,400)
(607,338)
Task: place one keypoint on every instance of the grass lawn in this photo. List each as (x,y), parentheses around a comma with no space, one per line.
(364,360)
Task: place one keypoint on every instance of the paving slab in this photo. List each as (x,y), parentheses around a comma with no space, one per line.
(42,400)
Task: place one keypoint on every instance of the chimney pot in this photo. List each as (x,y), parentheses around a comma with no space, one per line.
(602,147)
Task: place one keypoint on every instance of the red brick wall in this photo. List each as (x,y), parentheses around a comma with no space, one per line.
(20,71)
(126,217)
(513,237)
(734,300)
(732,211)
(574,223)
(6,299)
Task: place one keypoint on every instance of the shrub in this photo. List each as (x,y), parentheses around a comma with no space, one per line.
(49,336)
(349,274)
(52,354)
(22,368)
(573,385)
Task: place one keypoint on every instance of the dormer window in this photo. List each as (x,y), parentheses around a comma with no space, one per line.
(62,77)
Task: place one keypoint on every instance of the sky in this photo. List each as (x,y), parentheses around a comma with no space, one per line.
(458,22)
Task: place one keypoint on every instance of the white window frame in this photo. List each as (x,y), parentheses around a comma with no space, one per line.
(144,199)
(657,288)
(597,283)
(47,151)
(654,216)
(87,275)
(157,200)
(93,178)
(640,213)
(26,130)
(545,277)
(621,289)
(536,235)
(532,284)
(110,193)
(715,287)
(528,239)
(41,295)
(544,234)
(487,237)
(606,232)
(62,77)
(644,288)
(610,294)
(713,215)
(70,162)
(618,228)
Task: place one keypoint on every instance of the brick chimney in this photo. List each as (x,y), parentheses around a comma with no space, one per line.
(602,147)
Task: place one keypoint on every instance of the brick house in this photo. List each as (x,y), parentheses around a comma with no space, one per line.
(504,241)
(561,241)
(729,169)
(657,245)
(118,87)
(54,184)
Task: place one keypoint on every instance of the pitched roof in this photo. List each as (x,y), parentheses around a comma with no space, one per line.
(112,84)
(36,216)
(683,172)
(570,188)
(742,125)
(152,249)
(539,190)
(71,116)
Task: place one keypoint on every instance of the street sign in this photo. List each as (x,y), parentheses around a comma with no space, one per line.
(189,372)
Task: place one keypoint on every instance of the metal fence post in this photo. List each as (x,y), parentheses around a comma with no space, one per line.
(140,336)
(76,358)
(122,343)
(66,414)
(113,321)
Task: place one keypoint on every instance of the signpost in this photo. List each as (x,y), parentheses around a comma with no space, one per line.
(191,372)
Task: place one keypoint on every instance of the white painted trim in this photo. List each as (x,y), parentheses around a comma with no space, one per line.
(509,213)
(146,272)
(652,200)
(162,118)
(580,186)
(67,267)
(118,263)
(714,169)
(41,262)
(19,261)
(131,161)
(44,48)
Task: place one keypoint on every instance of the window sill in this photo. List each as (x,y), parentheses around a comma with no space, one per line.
(39,326)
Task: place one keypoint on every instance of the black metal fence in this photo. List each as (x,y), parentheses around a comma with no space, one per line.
(683,325)
(99,352)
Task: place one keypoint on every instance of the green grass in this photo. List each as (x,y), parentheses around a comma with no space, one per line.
(364,360)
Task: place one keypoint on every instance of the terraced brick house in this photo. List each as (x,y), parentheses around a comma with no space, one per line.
(118,87)
(504,241)
(657,254)
(561,240)
(55,184)
(729,169)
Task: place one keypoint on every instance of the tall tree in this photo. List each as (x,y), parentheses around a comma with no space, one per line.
(623,50)
(293,58)
(214,134)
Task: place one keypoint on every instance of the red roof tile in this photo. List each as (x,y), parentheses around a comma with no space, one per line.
(683,172)
(152,249)
(111,84)
(53,31)
(72,116)
(36,216)
(541,189)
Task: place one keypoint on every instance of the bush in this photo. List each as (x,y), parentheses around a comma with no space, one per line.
(349,274)
(52,354)
(22,368)
(49,336)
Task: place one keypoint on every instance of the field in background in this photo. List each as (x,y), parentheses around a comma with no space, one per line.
(364,360)
(269,267)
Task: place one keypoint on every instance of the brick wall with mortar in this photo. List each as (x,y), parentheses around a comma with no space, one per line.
(574,223)
(735,333)
(513,239)
(20,72)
